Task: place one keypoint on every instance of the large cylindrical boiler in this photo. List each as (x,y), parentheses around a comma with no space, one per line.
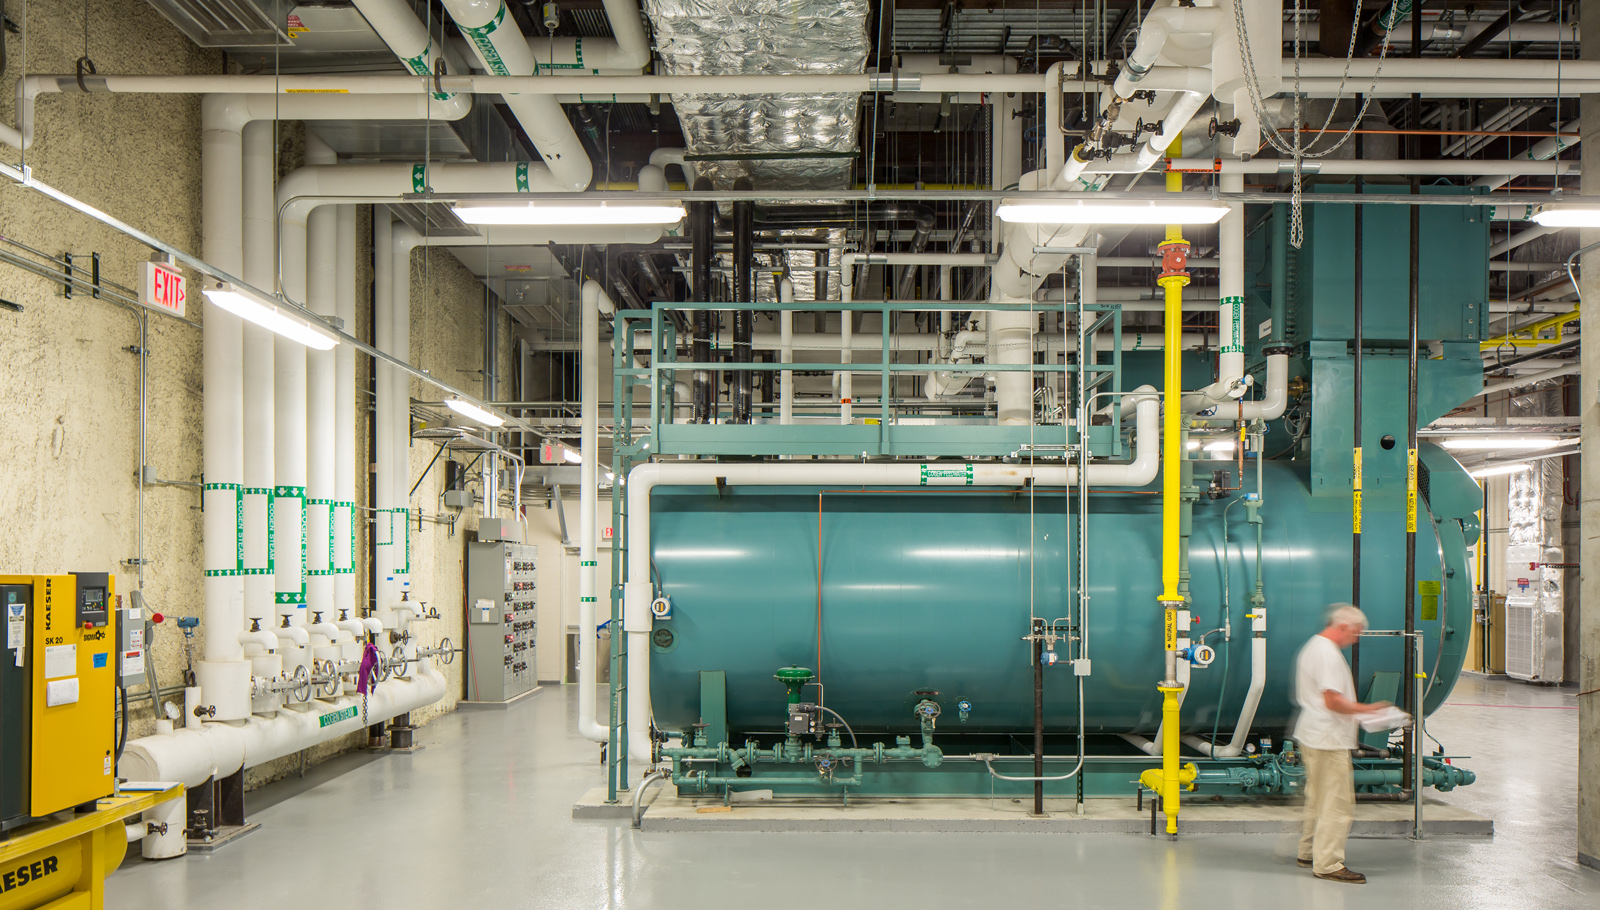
(931,591)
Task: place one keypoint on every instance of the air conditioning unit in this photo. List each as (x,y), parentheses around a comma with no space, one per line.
(1535,622)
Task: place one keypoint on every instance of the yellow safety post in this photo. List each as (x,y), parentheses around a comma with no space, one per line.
(1174,276)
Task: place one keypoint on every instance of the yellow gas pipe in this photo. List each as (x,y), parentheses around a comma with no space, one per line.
(1169,780)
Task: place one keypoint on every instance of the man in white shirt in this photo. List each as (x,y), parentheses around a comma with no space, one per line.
(1327,731)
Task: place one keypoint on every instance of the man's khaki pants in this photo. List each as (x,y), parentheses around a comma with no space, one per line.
(1330,805)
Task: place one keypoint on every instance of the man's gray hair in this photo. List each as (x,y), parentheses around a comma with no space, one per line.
(1342,614)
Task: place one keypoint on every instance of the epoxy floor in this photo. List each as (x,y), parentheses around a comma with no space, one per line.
(481,818)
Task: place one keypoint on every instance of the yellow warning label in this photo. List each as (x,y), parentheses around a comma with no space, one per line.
(316,91)
(1411,491)
(1172,629)
(1355,513)
(1357,475)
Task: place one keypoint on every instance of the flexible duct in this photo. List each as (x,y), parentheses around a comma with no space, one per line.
(639,591)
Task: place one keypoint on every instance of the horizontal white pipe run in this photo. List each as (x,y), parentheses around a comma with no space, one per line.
(1374,167)
(191,755)
(1454,33)
(1518,239)
(921,341)
(639,591)
(1506,385)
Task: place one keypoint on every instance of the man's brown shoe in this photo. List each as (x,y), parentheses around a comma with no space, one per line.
(1343,874)
(1306,863)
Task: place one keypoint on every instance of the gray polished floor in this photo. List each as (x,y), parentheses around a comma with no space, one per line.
(480,818)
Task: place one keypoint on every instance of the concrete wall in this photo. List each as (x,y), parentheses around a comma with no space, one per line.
(68,458)
(68,461)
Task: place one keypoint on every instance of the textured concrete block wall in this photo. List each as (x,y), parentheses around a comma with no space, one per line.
(70,386)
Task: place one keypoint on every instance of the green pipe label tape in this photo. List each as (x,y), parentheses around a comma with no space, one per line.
(951,476)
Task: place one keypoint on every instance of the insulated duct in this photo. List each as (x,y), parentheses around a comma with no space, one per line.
(781,142)
(1535,599)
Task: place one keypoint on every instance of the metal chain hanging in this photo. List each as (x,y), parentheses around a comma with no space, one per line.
(1298,148)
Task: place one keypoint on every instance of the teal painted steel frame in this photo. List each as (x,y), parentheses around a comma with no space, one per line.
(885,439)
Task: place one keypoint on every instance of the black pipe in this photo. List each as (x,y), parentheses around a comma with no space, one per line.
(701,230)
(1038,717)
(1493,29)
(1333,27)
(1355,474)
(1408,674)
(849,215)
(744,291)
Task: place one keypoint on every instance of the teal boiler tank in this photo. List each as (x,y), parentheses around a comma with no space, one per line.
(933,592)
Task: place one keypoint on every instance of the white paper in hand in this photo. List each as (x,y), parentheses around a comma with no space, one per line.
(1390,718)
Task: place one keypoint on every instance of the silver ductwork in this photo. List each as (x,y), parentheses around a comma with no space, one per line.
(1535,579)
(781,142)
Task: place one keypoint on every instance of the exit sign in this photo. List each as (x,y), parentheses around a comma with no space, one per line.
(163,288)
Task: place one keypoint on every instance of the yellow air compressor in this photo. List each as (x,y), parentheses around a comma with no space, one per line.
(57,688)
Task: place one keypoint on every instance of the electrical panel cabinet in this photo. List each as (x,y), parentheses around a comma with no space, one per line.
(502,620)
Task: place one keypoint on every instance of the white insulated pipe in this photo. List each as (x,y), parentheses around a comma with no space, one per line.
(1502,247)
(1231,379)
(321,239)
(192,755)
(260,269)
(1247,711)
(786,353)
(385,417)
(222,666)
(1372,167)
(289,454)
(1205,403)
(344,424)
(405,239)
(500,46)
(1506,385)
(593,299)
(397,25)
(1543,150)
(639,591)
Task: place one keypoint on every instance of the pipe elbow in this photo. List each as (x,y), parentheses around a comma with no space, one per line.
(372,624)
(261,638)
(1276,400)
(296,634)
(327,630)
(224,112)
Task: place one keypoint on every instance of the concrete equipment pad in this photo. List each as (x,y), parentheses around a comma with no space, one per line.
(669,812)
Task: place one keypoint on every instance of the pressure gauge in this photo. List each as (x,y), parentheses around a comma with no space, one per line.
(661,608)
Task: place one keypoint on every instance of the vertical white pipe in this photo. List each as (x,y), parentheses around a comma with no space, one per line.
(222,668)
(1230,309)
(786,353)
(259,269)
(223,448)
(847,293)
(344,420)
(384,415)
(289,444)
(321,454)
(594,299)
(405,240)
(489,27)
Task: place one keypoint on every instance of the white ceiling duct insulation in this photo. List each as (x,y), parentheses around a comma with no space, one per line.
(780,142)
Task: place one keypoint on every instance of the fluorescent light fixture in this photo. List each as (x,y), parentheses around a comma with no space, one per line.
(1193,445)
(472,411)
(570,213)
(1567,217)
(1110,212)
(1225,445)
(1496,469)
(268,315)
(1501,442)
(572,456)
